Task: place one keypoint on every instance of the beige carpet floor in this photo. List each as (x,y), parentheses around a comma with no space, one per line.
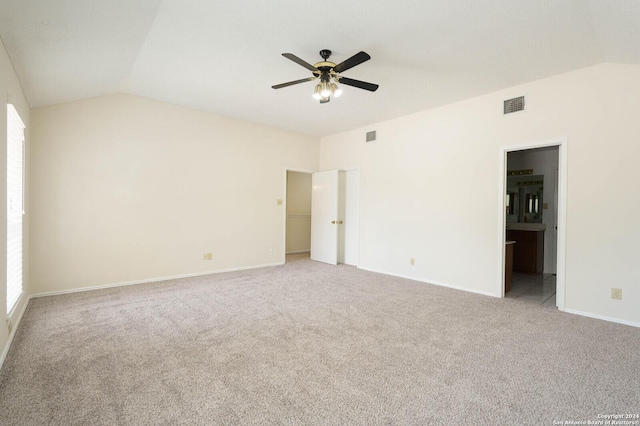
(308,343)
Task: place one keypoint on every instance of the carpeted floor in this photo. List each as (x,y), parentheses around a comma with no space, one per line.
(308,343)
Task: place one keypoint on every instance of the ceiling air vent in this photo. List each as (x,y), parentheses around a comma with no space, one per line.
(514,105)
(371,136)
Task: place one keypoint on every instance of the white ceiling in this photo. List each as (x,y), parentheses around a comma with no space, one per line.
(224,56)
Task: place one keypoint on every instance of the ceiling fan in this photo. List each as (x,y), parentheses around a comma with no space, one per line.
(329,75)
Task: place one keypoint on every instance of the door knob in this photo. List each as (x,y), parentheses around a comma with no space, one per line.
(333,222)
(339,222)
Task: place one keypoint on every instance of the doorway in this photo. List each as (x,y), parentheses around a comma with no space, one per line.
(297,212)
(546,162)
(334,216)
(321,215)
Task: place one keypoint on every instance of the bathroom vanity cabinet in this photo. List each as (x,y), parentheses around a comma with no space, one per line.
(528,252)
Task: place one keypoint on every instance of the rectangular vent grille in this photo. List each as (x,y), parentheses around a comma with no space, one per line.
(371,136)
(514,105)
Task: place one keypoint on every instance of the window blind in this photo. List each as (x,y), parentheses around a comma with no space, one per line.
(15,204)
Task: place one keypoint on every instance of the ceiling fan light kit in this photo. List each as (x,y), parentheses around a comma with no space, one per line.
(329,75)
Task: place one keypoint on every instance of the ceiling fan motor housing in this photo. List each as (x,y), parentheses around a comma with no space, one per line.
(324,67)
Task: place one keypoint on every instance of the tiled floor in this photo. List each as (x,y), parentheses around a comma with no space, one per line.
(540,289)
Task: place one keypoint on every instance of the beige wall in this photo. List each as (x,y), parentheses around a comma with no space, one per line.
(128,189)
(10,92)
(298,212)
(429,186)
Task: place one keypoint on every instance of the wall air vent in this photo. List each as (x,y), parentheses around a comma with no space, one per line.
(514,105)
(371,136)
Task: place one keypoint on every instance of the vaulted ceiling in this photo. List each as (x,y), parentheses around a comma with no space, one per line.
(224,56)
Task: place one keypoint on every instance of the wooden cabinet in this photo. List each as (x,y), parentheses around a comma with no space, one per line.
(528,253)
(508,266)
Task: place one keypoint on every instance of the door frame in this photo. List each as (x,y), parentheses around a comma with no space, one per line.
(284,207)
(561,241)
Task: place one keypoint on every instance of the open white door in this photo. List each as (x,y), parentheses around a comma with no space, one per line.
(324,215)
(348,214)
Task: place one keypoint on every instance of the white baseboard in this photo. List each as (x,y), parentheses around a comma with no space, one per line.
(440,284)
(602,317)
(152,280)
(298,251)
(16,323)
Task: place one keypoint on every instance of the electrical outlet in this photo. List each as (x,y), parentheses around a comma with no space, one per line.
(616,293)
(207,256)
(412,261)
(270,251)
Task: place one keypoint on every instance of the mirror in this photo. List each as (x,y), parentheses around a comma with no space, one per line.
(524,198)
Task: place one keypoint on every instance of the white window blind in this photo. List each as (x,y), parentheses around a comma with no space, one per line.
(15,204)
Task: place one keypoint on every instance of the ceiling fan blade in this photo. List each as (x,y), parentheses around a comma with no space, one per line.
(325,100)
(356,59)
(291,83)
(359,84)
(299,61)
